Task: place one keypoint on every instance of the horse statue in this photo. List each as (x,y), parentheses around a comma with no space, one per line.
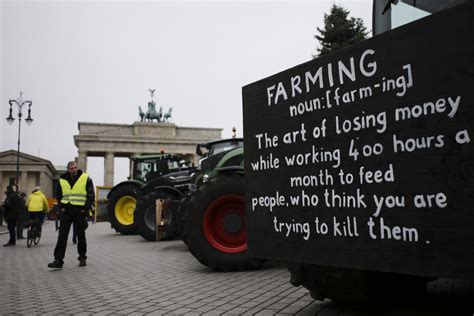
(141,113)
(151,114)
(167,115)
(160,114)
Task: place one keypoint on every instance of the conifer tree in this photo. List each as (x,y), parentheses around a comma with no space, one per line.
(339,31)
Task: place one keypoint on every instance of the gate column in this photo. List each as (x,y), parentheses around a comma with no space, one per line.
(109,169)
(82,160)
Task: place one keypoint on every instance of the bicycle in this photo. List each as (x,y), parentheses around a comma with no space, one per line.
(33,234)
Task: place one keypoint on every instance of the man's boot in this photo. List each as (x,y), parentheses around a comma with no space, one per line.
(82,262)
(56,264)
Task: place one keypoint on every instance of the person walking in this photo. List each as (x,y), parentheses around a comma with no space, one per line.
(22,217)
(37,205)
(75,194)
(11,206)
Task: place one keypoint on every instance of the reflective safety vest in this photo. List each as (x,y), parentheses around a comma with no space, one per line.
(78,194)
(37,202)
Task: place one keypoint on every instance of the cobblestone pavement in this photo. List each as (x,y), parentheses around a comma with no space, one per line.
(125,275)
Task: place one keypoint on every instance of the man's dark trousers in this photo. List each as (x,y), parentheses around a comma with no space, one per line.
(11,224)
(68,217)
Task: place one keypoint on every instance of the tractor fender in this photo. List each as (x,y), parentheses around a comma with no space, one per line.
(137,183)
(230,169)
(165,189)
(175,183)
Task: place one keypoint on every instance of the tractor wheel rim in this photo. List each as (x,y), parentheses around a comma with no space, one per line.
(124,209)
(224,209)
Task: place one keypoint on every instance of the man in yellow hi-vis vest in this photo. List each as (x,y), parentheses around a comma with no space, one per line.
(75,194)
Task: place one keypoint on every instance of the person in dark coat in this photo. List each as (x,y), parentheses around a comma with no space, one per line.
(22,217)
(12,207)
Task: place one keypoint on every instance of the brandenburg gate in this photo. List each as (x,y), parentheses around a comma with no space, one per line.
(140,138)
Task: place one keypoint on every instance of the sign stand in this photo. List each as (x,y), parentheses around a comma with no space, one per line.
(160,222)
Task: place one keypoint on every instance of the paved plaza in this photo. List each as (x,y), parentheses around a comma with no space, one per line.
(126,275)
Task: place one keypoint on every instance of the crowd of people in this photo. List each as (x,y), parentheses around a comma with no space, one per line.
(74,195)
(18,211)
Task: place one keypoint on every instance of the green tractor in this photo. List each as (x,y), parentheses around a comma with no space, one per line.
(206,208)
(122,198)
(173,188)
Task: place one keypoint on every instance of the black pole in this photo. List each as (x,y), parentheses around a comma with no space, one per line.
(20,103)
(18,155)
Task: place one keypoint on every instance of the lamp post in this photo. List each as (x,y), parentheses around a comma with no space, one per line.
(10,119)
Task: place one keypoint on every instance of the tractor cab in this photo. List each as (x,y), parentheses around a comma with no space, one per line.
(212,152)
(146,168)
(215,147)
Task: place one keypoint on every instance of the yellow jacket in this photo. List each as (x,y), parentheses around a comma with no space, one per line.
(37,202)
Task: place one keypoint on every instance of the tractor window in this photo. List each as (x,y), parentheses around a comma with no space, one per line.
(217,148)
(173,165)
(142,169)
(389,14)
(150,167)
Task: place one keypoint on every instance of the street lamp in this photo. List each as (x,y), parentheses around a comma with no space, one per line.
(10,119)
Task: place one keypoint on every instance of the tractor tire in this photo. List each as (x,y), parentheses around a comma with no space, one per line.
(121,207)
(214,225)
(145,216)
(355,287)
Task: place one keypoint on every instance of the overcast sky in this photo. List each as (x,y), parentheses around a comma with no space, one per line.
(94,61)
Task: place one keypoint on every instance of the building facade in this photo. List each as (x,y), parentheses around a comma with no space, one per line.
(34,171)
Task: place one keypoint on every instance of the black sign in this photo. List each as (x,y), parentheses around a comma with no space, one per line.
(365,158)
